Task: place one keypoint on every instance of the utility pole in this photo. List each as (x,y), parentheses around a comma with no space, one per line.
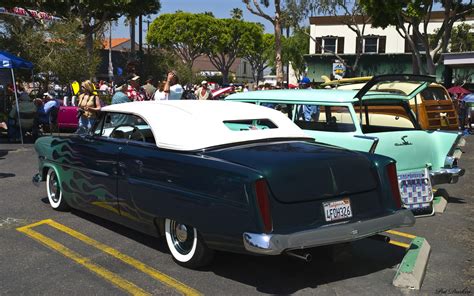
(111,67)
(288,62)
(132,36)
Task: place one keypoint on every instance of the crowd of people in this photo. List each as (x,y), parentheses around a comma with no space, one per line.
(41,112)
(36,110)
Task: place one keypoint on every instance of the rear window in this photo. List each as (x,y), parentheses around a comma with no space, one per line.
(249,124)
(324,118)
(434,93)
(384,117)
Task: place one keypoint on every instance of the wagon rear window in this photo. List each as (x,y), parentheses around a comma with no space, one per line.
(249,124)
(324,118)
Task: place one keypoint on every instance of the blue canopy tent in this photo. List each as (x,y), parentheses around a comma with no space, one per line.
(9,61)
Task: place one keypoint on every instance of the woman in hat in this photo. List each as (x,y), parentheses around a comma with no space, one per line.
(89,106)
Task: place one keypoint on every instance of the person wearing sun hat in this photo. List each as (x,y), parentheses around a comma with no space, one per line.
(133,90)
(89,106)
(203,92)
(119,98)
(307,112)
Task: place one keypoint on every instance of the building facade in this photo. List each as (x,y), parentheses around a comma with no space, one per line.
(382,51)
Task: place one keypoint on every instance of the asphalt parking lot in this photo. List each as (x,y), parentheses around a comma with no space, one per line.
(72,253)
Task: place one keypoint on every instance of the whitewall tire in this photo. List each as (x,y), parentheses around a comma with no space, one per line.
(55,194)
(186,246)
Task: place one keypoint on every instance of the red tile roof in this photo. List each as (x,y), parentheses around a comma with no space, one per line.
(115,42)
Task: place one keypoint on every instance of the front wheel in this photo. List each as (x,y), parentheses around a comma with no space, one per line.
(186,246)
(55,195)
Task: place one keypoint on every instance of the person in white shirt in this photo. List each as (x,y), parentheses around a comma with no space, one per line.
(172,89)
(159,93)
(203,93)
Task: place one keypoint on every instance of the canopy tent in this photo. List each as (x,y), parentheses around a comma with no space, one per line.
(458,90)
(468,98)
(10,61)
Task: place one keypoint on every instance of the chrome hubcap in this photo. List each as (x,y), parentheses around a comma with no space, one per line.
(182,236)
(53,187)
(181,233)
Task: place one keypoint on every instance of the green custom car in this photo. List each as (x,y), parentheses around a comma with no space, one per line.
(378,122)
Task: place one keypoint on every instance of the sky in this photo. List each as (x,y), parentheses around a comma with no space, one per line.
(220,9)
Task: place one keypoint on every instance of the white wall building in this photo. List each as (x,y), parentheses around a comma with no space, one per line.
(382,49)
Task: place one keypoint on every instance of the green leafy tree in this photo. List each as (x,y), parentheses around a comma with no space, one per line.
(294,49)
(260,54)
(91,15)
(56,50)
(412,18)
(185,34)
(229,39)
(353,16)
(255,7)
(462,38)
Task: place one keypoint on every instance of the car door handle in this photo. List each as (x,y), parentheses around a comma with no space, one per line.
(139,164)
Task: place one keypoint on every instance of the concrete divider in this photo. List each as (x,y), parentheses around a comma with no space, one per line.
(439,204)
(411,271)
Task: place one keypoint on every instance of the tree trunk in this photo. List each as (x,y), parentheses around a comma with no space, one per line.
(430,65)
(87,30)
(225,76)
(278,61)
(132,36)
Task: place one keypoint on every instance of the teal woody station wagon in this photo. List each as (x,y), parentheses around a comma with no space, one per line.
(377,122)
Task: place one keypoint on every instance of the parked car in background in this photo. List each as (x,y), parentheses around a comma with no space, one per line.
(433,107)
(67,118)
(213,175)
(376,122)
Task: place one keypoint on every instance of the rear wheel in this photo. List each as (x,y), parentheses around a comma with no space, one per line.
(55,195)
(187,247)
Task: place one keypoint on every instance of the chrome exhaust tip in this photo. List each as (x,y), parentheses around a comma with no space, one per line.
(380,237)
(305,257)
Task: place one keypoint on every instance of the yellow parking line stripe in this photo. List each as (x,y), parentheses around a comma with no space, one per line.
(400,244)
(86,262)
(165,279)
(407,235)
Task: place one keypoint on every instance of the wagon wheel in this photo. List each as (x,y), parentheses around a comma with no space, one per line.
(186,245)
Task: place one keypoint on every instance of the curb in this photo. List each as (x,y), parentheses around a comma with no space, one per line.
(439,204)
(411,271)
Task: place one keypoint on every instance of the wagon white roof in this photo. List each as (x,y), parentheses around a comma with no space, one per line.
(193,125)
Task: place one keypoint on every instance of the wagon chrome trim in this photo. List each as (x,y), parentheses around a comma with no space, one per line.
(446,175)
(275,244)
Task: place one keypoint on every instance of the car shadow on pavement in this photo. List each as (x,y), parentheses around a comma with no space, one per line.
(287,275)
(283,274)
(149,241)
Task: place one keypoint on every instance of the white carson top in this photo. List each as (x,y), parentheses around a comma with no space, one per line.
(191,125)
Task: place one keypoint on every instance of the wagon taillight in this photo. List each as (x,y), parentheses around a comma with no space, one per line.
(393,179)
(261,191)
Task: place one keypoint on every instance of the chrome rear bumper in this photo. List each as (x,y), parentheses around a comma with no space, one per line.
(275,244)
(446,175)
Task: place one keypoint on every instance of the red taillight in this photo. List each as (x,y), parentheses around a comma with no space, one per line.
(393,179)
(264,204)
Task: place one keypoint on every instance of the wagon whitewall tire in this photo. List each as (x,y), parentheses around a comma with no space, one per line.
(53,189)
(186,246)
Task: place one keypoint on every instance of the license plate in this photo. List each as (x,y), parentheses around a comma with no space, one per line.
(337,210)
